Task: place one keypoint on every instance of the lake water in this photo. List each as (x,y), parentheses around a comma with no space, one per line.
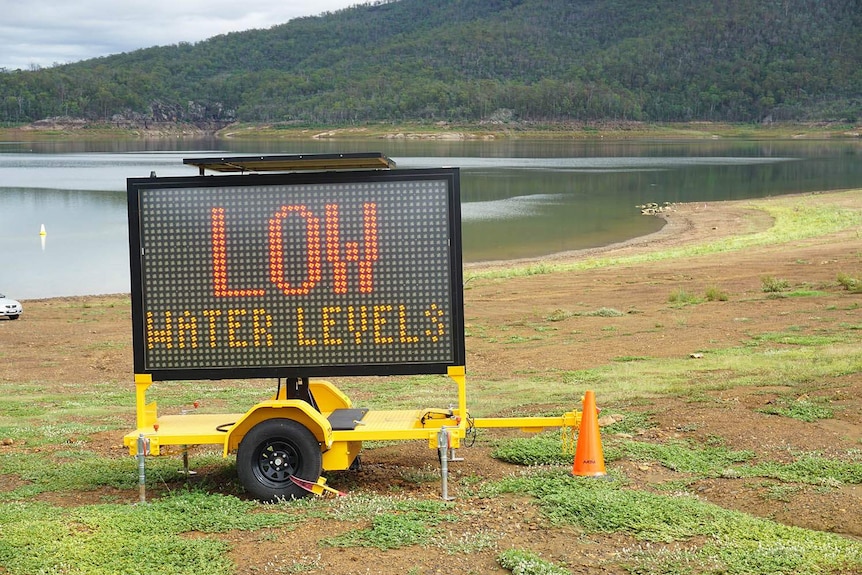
(520,198)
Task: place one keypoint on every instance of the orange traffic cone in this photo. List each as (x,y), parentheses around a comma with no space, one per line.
(589,457)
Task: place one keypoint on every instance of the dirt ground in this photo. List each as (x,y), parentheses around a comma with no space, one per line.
(50,348)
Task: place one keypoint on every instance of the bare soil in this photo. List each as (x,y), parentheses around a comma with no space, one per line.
(57,342)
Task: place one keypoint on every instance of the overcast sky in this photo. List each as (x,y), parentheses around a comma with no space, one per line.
(48,32)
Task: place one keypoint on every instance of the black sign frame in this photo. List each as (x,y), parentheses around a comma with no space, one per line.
(445,181)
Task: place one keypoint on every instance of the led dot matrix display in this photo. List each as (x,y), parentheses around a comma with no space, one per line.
(295,275)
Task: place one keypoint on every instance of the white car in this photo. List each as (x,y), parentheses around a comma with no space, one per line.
(10,308)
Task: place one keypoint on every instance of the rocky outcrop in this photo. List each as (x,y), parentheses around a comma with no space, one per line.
(653,209)
(163,118)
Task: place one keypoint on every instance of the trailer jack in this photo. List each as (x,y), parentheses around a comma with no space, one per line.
(447,454)
(143,451)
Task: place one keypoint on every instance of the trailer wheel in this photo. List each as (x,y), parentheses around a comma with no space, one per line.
(271,452)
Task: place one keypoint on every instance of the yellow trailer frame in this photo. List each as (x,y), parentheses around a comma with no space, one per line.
(339,447)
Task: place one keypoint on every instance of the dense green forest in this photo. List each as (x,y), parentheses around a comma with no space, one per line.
(475,60)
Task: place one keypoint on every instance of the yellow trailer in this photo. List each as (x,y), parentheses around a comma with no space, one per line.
(337,265)
(280,440)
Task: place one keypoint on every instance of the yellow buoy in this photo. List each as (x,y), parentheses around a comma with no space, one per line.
(42,232)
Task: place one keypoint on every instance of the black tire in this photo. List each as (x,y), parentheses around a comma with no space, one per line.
(271,452)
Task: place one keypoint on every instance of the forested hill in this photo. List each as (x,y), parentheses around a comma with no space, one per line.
(473,60)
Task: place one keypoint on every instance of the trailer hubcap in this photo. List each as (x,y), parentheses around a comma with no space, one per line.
(278,460)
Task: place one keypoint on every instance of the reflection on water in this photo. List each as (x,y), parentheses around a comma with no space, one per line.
(509,208)
(519,198)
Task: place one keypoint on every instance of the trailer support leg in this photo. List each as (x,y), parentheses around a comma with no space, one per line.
(142,473)
(188,473)
(443,449)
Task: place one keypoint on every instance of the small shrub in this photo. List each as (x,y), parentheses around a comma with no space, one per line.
(715,294)
(851,284)
(559,315)
(602,312)
(771,284)
(683,297)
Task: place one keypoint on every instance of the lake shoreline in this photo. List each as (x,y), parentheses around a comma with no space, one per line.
(686,224)
(71,129)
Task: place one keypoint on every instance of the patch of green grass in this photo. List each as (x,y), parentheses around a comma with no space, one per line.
(709,461)
(388,532)
(395,522)
(83,470)
(800,408)
(681,297)
(19,407)
(716,461)
(142,539)
(36,435)
(799,339)
(629,422)
(521,562)
(806,293)
(540,449)
(812,469)
(810,358)
(685,458)
(34,414)
(732,542)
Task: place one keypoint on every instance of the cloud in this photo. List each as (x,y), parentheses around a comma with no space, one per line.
(48,32)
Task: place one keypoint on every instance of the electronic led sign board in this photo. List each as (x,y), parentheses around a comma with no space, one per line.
(296,275)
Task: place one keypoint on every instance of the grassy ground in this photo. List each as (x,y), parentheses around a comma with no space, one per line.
(725,359)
